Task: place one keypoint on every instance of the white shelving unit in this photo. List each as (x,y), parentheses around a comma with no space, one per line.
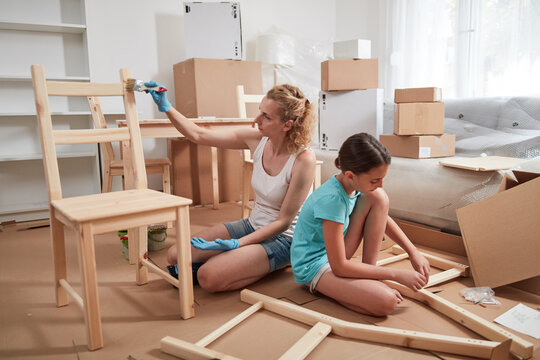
(51,33)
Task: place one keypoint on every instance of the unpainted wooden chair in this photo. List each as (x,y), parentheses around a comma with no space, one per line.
(88,215)
(242,100)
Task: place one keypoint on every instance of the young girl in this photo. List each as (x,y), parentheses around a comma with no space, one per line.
(348,207)
(236,254)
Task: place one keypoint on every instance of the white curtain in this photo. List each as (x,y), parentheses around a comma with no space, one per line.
(466,47)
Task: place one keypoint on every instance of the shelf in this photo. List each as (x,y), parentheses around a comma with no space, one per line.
(20,157)
(35,208)
(57,28)
(6,77)
(65,113)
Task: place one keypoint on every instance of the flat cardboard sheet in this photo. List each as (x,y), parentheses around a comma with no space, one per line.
(483,163)
(501,234)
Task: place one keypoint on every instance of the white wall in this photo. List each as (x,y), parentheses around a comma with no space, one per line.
(148,37)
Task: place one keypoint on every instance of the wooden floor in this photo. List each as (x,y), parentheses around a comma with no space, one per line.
(135,318)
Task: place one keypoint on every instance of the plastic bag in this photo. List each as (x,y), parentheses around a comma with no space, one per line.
(482,294)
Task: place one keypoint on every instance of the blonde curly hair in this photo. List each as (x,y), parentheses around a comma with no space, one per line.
(293,105)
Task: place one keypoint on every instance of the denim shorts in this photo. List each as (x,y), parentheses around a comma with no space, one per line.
(277,247)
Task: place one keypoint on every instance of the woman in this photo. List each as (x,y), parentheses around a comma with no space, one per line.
(349,207)
(239,253)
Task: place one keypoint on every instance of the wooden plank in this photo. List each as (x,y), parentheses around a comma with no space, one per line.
(483,163)
(215,180)
(444,276)
(71,88)
(164,275)
(303,347)
(481,326)
(76,297)
(406,338)
(188,351)
(230,324)
(437,261)
(87,136)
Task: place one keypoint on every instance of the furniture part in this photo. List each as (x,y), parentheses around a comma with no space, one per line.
(324,325)
(88,215)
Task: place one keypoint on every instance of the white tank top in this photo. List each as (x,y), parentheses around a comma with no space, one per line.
(269,191)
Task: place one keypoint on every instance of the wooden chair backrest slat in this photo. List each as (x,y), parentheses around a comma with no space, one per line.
(134,167)
(100,123)
(241,101)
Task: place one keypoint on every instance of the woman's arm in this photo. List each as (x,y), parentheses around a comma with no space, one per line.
(418,261)
(343,267)
(302,175)
(230,139)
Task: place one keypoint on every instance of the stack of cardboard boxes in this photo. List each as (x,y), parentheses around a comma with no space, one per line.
(419,125)
(350,101)
(205,86)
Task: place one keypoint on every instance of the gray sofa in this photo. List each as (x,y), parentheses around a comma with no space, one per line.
(424,191)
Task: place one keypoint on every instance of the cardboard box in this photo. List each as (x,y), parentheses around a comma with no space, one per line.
(343,113)
(207,87)
(192,172)
(352,49)
(419,118)
(213,30)
(412,95)
(350,74)
(502,233)
(420,146)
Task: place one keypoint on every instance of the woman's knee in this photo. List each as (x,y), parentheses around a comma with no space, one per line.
(209,279)
(172,255)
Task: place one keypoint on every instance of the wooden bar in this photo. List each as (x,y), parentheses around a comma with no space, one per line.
(185,274)
(230,324)
(188,351)
(437,261)
(303,347)
(481,326)
(88,136)
(70,88)
(444,276)
(156,270)
(412,339)
(392,259)
(74,295)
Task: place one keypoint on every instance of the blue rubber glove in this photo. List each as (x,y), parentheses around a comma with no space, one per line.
(159,97)
(217,244)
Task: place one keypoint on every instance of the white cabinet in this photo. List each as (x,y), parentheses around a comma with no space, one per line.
(51,33)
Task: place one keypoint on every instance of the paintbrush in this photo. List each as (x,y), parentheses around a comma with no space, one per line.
(138,85)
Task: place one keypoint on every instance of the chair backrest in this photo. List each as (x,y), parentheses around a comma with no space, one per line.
(133,161)
(241,100)
(100,123)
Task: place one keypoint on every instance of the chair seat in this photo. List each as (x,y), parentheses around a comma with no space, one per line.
(92,207)
(147,162)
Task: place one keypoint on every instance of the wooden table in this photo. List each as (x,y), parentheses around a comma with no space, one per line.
(163,128)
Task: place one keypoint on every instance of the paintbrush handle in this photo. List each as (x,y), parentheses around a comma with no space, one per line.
(155,88)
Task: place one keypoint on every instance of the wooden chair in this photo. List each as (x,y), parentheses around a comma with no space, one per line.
(115,167)
(247,169)
(106,212)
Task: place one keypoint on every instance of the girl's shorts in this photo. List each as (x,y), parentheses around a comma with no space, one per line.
(313,283)
(277,247)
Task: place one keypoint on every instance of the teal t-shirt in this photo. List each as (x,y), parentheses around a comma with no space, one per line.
(308,252)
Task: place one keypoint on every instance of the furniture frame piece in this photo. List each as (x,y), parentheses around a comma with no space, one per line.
(247,168)
(324,325)
(106,212)
(487,329)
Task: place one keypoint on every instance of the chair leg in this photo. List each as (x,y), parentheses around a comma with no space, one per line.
(185,276)
(59,258)
(167,186)
(141,250)
(246,188)
(87,261)
(215,178)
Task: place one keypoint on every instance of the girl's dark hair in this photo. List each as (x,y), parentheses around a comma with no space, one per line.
(361,153)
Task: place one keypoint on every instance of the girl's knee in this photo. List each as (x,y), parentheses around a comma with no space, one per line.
(379,198)
(386,304)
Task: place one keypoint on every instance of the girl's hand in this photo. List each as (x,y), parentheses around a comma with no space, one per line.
(420,264)
(411,279)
